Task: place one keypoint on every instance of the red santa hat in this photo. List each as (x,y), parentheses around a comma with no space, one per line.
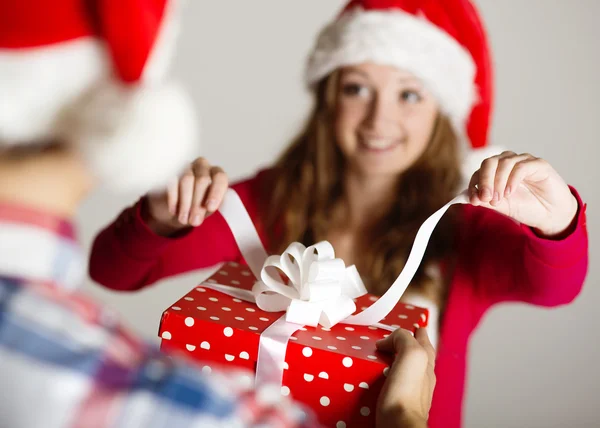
(93,73)
(442,42)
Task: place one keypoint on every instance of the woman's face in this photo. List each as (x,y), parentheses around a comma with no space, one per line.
(384,119)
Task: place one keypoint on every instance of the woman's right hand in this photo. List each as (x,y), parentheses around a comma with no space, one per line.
(188,200)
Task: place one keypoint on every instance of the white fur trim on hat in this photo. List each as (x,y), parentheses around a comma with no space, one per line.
(408,42)
(37,85)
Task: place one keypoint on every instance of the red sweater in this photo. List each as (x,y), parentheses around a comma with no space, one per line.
(498,261)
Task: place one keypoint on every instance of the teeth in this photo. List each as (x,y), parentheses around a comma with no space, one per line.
(378,143)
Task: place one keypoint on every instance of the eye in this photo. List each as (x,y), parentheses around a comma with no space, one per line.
(355,90)
(410,96)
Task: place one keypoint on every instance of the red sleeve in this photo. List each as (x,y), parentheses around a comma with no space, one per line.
(511,263)
(127,255)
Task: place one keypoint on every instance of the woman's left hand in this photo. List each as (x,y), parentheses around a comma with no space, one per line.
(526,189)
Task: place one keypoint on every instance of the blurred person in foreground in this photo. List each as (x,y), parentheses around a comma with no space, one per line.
(82,96)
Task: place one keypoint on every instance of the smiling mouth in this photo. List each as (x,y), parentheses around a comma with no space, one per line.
(379,144)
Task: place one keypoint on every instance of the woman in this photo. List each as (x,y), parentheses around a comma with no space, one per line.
(396,84)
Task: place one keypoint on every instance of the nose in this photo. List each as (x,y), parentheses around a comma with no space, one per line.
(383,116)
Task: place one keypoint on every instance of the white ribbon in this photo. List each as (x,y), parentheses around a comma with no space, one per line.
(321,291)
(321,288)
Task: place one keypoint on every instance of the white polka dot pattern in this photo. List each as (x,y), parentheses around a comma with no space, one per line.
(246,381)
(352,346)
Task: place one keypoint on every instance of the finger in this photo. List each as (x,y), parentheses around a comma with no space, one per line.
(505,167)
(186,194)
(173,195)
(216,192)
(396,342)
(473,192)
(487,172)
(423,339)
(201,185)
(521,171)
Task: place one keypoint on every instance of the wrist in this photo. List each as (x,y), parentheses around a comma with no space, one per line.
(562,224)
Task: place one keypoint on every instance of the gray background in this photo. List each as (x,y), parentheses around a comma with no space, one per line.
(243,63)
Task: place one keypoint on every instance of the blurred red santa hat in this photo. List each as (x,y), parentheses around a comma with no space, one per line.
(93,73)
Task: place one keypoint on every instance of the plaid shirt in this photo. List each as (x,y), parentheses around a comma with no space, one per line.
(67,362)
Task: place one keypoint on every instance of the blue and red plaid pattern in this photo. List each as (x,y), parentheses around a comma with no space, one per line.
(67,362)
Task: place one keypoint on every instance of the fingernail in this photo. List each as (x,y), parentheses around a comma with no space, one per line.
(212,205)
(507,191)
(196,220)
(183,218)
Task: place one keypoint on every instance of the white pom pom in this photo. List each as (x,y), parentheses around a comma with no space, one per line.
(135,139)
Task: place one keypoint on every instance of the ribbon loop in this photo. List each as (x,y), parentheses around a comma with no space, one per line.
(320,288)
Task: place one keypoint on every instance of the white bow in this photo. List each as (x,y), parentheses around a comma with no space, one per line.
(321,288)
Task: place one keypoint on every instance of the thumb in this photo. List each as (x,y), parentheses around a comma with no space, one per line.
(395,342)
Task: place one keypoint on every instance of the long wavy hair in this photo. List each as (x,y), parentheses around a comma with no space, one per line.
(306,185)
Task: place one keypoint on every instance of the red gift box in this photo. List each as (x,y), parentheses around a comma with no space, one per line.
(337,372)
